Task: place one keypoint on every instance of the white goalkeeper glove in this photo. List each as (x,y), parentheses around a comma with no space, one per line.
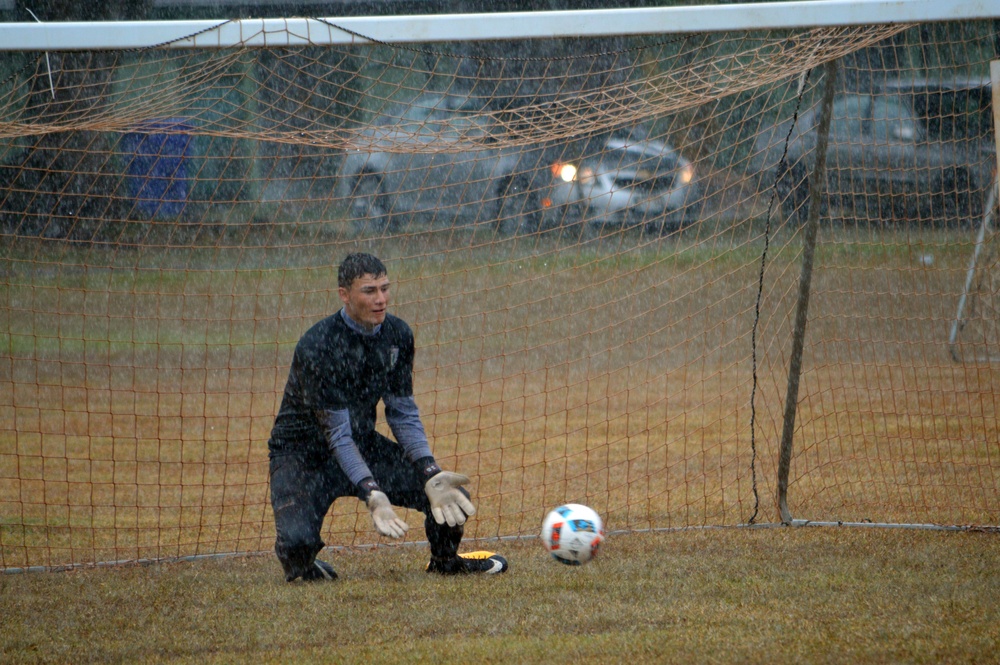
(448,503)
(384,517)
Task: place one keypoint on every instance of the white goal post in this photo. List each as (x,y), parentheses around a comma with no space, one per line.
(982,277)
(275,32)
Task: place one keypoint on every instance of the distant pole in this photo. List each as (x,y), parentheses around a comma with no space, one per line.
(817,188)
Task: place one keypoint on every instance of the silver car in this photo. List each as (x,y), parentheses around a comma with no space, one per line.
(630,182)
(432,158)
(881,163)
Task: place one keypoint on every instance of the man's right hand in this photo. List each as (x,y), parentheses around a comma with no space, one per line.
(384,517)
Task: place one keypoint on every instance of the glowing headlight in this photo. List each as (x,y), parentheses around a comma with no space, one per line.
(687,173)
(567,173)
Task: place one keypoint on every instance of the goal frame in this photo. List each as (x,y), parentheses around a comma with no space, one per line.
(276,32)
(331,31)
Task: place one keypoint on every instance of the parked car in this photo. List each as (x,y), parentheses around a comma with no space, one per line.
(629,181)
(880,160)
(393,172)
(950,109)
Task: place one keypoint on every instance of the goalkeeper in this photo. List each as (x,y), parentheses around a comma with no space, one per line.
(324,445)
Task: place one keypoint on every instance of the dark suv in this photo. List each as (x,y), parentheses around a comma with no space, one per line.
(884,161)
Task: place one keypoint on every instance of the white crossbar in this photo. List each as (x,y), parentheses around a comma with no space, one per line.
(276,32)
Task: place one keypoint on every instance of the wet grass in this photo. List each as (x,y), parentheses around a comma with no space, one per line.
(809,595)
(144,381)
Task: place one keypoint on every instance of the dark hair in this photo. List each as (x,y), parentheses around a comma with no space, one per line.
(358,265)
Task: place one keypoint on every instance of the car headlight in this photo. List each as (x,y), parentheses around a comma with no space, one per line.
(565,172)
(687,174)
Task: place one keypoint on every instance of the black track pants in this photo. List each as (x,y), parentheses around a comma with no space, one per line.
(304,486)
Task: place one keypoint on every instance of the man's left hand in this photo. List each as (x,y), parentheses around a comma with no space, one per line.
(448,502)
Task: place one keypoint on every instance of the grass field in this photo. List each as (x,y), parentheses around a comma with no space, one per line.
(800,595)
(143,382)
(143,357)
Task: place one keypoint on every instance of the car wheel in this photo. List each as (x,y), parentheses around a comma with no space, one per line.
(665,224)
(368,207)
(568,221)
(955,199)
(518,212)
(866,207)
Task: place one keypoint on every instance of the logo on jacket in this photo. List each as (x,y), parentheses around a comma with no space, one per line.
(393,356)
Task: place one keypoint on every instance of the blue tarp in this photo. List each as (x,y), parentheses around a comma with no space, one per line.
(158,154)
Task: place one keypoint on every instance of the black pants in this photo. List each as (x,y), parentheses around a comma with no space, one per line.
(305,485)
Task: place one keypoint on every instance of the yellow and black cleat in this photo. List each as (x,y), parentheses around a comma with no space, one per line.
(482,562)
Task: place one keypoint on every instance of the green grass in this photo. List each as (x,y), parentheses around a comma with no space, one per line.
(79,301)
(143,382)
(807,595)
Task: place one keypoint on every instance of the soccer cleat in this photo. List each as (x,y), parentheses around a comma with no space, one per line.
(320,571)
(488,563)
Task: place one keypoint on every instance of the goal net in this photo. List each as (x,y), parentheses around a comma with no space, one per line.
(596,240)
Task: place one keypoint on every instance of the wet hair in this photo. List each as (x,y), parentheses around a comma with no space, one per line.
(358,265)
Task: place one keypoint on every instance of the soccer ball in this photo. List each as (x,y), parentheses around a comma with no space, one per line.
(572,533)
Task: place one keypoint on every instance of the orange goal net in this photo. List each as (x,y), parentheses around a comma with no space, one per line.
(598,242)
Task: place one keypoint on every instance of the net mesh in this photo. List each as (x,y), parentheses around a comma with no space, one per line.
(575,230)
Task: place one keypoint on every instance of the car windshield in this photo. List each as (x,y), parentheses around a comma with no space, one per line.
(642,155)
(450,116)
(883,118)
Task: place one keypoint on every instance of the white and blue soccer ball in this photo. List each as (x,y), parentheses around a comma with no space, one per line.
(572,534)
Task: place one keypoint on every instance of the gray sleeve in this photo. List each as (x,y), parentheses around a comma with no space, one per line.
(404,421)
(337,427)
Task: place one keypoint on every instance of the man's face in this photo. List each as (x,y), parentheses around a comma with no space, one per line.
(367,300)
